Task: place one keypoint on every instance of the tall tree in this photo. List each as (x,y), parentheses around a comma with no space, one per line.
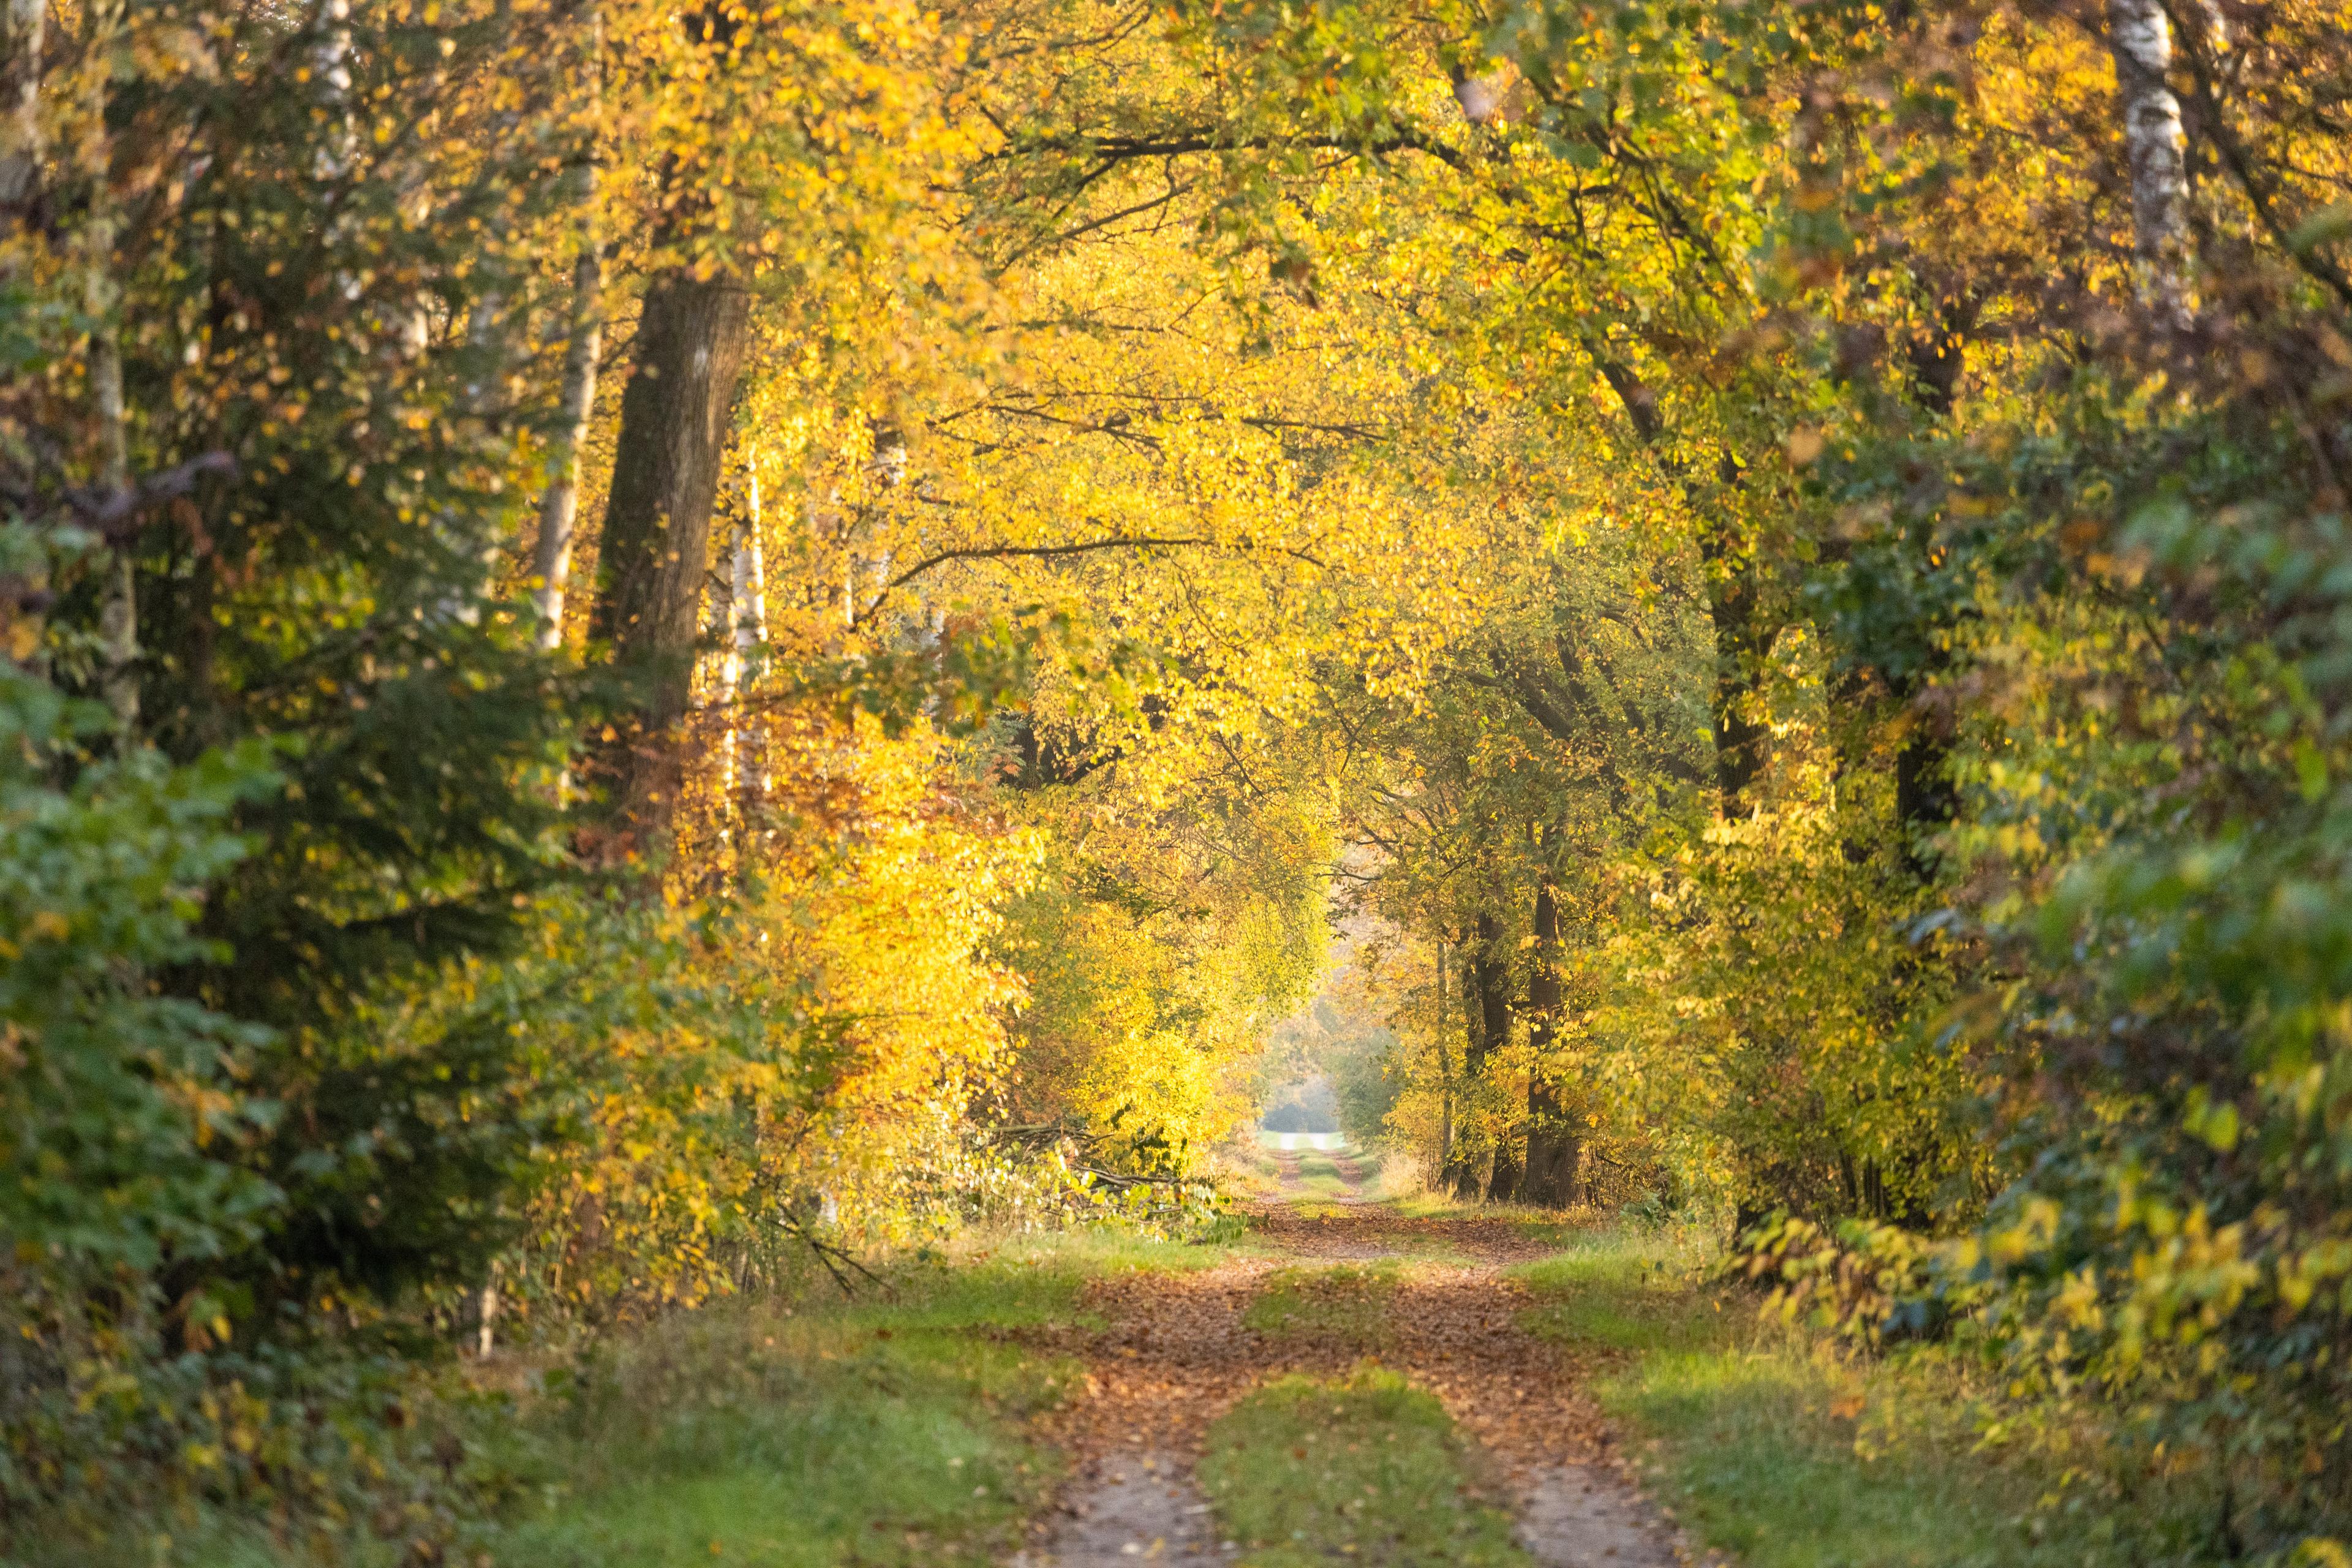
(1555,1147)
(654,554)
(2140,33)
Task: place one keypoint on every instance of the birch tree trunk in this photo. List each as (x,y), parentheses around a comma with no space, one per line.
(2154,148)
(331,59)
(747,753)
(558,509)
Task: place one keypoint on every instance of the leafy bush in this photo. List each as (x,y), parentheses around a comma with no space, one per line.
(122,1110)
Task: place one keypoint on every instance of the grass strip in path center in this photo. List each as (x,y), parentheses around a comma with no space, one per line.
(1345,1306)
(1362,1469)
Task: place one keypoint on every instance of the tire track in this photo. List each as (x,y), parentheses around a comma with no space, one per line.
(1174,1355)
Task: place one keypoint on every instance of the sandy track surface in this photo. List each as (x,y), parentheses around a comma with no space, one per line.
(1174,1354)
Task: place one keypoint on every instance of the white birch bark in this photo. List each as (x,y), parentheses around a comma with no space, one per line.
(749,599)
(2156,150)
(485,1316)
(558,509)
(330,62)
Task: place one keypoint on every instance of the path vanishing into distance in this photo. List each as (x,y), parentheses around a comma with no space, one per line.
(1339,1288)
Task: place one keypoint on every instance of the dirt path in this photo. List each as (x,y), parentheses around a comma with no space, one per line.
(1175,1353)
(1290,1175)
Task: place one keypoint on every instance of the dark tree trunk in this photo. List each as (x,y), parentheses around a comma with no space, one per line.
(1740,738)
(1490,984)
(1924,801)
(1461,1173)
(1504,1185)
(692,339)
(1494,1019)
(1555,1153)
(1495,1008)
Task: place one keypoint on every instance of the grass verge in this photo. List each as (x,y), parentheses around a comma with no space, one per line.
(780,1432)
(1364,1469)
(1769,1445)
(879,1431)
(882,1433)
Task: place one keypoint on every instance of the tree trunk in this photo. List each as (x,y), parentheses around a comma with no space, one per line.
(1740,738)
(1503,1184)
(748,740)
(1555,1153)
(119,610)
(1460,1173)
(558,509)
(1491,1030)
(26,23)
(1445,1073)
(692,338)
(485,1316)
(2155,149)
(1495,1006)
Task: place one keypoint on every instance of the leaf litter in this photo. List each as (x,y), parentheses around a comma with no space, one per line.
(1173,1352)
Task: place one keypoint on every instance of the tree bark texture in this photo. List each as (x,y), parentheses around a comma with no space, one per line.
(1495,1013)
(692,339)
(1555,1153)
(26,23)
(1445,1073)
(583,348)
(1460,1171)
(2156,150)
(119,610)
(1488,1004)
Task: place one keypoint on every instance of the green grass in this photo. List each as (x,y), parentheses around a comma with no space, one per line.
(1318,1175)
(1538,1225)
(780,1432)
(1790,1456)
(881,1431)
(1625,1289)
(1345,1305)
(1363,1470)
(885,1430)
(877,1432)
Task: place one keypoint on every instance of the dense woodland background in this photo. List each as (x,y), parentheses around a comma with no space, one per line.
(640,640)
